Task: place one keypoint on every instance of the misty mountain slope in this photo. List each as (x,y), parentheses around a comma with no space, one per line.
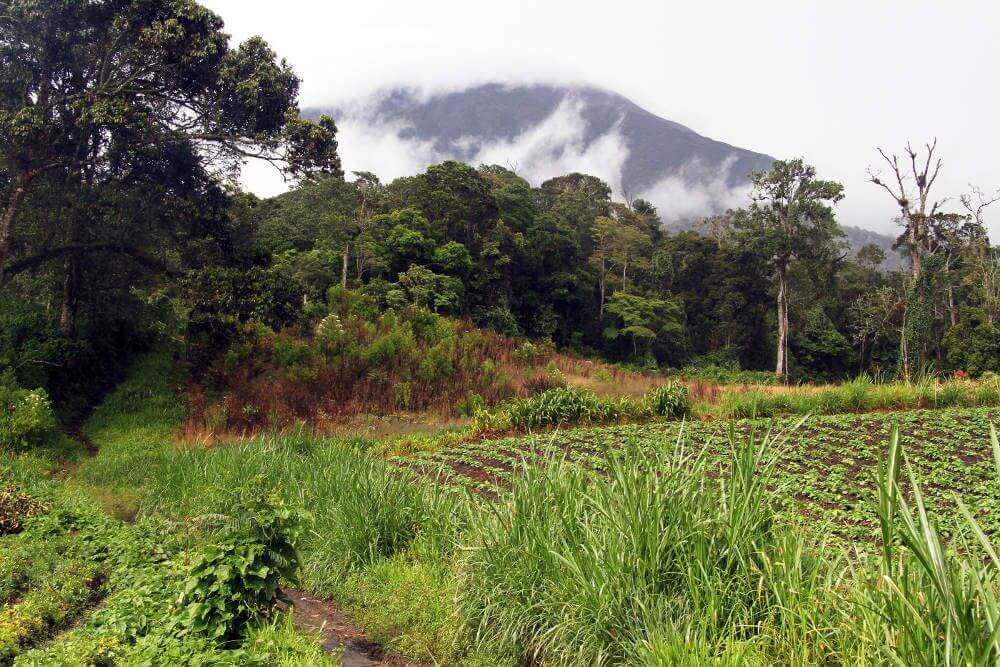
(544,131)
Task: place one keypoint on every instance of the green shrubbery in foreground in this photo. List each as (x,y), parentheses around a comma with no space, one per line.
(657,562)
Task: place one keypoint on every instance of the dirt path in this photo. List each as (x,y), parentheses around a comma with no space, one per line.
(339,634)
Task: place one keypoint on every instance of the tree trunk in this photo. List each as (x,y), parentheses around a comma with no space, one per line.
(343,266)
(904,347)
(952,310)
(71,298)
(915,254)
(9,216)
(604,274)
(781,369)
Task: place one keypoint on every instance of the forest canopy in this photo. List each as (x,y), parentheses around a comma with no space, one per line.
(123,128)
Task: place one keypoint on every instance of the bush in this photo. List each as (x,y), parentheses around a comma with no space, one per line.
(470,405)
(526,353)
(26,417)
(669,400)
(971,346)
(436,365)
(289,353)
(15,507)
(723,375)
(235,579)
(561,406)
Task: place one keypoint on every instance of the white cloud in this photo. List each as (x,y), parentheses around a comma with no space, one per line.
(696,190)
(553,147)
(557,146)
(700,64)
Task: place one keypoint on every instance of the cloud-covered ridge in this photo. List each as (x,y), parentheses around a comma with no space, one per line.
(545,131)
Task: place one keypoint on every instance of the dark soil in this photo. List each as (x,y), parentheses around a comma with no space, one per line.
(339,634)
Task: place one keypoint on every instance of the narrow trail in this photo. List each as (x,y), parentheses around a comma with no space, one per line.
(339,635)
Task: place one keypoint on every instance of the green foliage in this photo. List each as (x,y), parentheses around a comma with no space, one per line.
(644,319)
(858,395)
(941,600)
(472,404)
(526,352)
(579,568)
(669,400)
(30,344)
(551,408)
(224,299)
(437,365)
(15,507)
(972,346)
(234,580)
(288,353)
(819,350)
(26,417)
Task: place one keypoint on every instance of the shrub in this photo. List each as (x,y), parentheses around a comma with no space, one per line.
(470,404)
(526,353)
(289,353)
(26,417)
(552,408)
(971,346)
(436,365)
(330,331)
(669,400)
(396,346)
(15,507)
(235,579)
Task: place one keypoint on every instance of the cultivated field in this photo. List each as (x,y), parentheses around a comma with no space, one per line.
(826,464)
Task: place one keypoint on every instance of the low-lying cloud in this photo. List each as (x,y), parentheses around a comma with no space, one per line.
(559,144)
(696,190)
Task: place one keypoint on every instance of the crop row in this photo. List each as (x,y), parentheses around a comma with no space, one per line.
(827,464)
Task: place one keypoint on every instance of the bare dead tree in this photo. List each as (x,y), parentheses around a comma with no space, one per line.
(916,208)
(976,202)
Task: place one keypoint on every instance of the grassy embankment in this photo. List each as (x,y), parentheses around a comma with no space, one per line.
(666,558)
(81,587)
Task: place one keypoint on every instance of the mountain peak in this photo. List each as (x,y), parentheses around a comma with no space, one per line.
(544,130)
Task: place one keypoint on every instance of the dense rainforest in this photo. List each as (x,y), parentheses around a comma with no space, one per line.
(122,224)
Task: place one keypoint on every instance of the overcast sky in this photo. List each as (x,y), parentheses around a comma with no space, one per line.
(825,80)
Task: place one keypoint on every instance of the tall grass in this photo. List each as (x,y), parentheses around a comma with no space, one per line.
(634,566)
(661,559)
(363,509)
(657,563)
(573,407)
(939,602)
(859,395)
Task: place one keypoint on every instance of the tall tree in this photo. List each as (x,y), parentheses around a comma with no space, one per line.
(916,208)
(80,77)
(790,219)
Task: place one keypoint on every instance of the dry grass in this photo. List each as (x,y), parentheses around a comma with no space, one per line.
(383,381)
